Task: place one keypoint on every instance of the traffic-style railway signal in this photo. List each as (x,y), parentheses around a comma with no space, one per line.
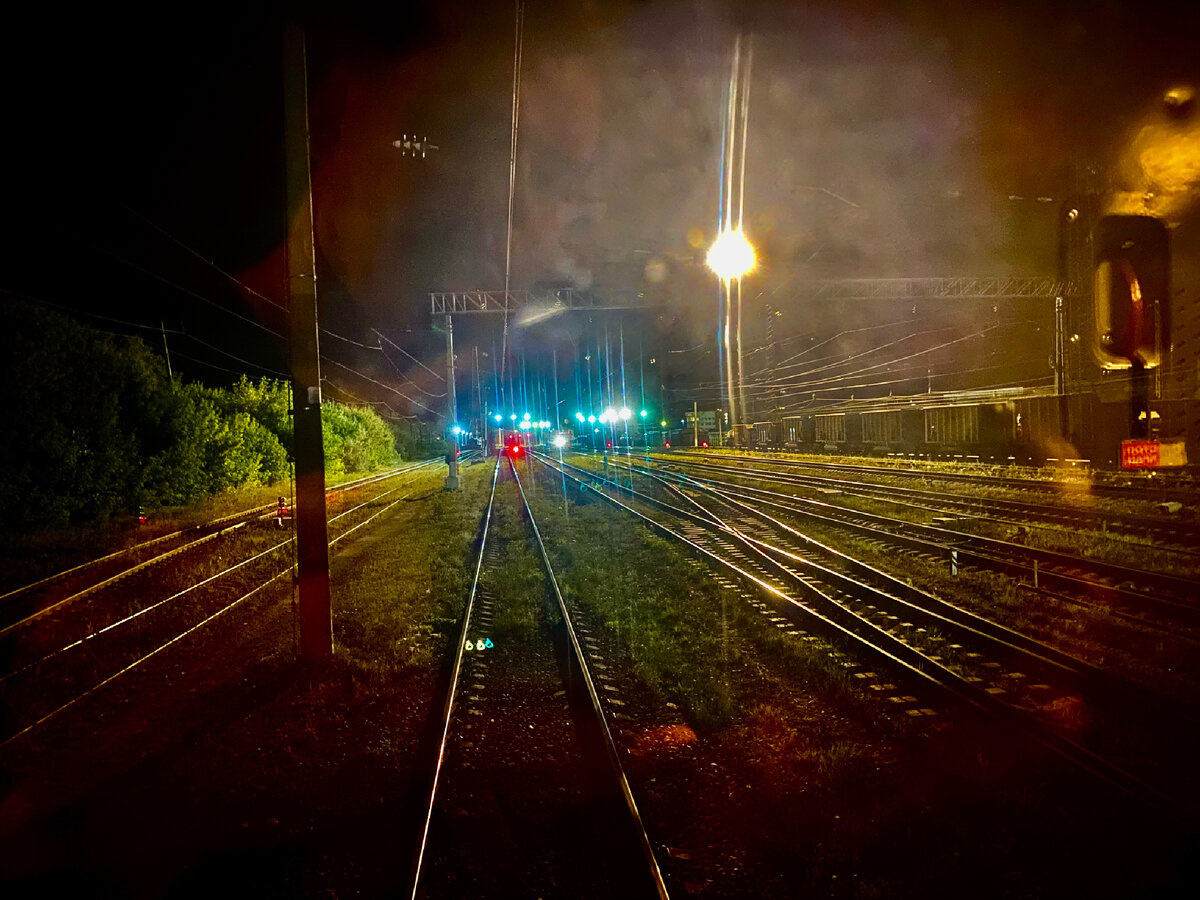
(1132,291)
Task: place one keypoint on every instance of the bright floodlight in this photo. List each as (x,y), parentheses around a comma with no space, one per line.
(499,417)
(560,441)
(527,417)
(591,420)
(457,431)
(731,256)
(611,413)
(513,417)
(579,416)
(626,412)
(642,414)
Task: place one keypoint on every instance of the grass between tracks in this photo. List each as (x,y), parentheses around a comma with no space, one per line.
(394,606)
(26,557)
(685,633)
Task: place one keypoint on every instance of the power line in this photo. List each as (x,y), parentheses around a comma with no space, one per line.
(187,291)
(788,382)
(202,258)
(325,330)
(247,362)
(210,365)
(380,383)
(409,355)
(83,312)
(409,380)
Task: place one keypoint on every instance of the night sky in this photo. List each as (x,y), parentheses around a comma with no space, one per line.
(883,140)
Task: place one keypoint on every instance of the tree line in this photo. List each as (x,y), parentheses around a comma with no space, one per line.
(96,428)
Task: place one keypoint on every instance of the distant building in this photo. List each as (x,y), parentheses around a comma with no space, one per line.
(708,419)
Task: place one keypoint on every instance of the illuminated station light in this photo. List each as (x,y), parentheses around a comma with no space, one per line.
(560,441)
(731,255)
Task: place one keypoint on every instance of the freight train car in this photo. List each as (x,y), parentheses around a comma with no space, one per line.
(975,429)
(797,431)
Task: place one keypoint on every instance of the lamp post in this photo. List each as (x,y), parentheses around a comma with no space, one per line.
(731,257)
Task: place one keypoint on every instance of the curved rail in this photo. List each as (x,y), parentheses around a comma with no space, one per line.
(841,622)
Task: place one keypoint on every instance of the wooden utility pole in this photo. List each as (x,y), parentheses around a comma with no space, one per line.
(312,548)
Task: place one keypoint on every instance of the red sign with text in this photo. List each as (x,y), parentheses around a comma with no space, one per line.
(1139,454)
(1152,454)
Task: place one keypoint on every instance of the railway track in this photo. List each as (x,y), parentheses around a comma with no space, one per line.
(1145,488)
(1170,534)
(22,605)
(935,657)
(50,662)
(1149,597)
(526,791)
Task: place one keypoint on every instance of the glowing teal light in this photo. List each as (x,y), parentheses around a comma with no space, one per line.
(579,416)
(642,414)
(499,418)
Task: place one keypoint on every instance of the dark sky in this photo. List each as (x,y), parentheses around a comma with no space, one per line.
(883,140)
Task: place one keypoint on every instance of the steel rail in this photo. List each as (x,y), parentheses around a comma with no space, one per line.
(610,745)
(936,611)
(847,624)
(262,511)
(990,506)
(417,870)
(210,618)
(989,552)
(928,607)
(1144,492)
(170,554)
(913,599)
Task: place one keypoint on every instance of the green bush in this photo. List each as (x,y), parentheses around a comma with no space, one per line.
(97,428)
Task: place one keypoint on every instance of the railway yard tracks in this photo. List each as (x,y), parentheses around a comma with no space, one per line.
(936,657)
(527,792)
(556,742)
(1063,509)
(68,635)
(1126,486)
(1152,598)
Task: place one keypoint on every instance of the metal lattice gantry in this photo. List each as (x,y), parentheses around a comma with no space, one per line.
(1002,287)
(442,303)
(964,288)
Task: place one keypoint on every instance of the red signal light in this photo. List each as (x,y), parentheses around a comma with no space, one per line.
(666,443)
(704,443)
(515,450)
(608,444)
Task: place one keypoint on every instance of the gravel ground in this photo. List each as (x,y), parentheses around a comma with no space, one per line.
(227,769)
